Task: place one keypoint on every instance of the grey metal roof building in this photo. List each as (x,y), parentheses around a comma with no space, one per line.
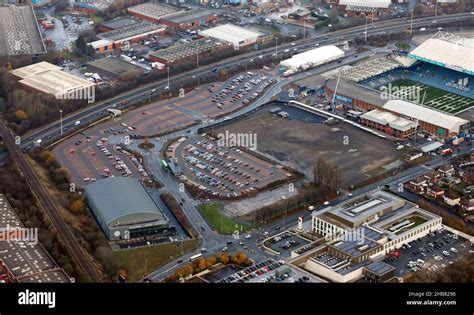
(124,209)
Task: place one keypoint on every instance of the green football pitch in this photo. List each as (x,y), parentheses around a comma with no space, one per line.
(430,96)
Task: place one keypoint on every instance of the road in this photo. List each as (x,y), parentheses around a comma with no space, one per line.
(46,202)
(52,132)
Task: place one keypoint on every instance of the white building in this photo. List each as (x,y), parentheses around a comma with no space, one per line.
(236,35)
(312,58)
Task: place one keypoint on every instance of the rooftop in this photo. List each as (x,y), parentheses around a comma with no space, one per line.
(19,31)
(122,201)
(386,118)
(128,32)
(231,33)
(187,16)
(120,23)
(153,10)
(48,78)
(114,65)
(354,90)
(181,51)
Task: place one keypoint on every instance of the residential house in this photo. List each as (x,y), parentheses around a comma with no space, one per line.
(432,177)
(446,170)
(452,198)
(435,191)
(418,184)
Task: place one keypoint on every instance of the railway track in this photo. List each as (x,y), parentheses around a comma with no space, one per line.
(77,253)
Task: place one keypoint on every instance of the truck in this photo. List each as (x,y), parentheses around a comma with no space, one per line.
(447,151)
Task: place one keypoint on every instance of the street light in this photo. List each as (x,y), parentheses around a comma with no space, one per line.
(168,68)
(61,119)
(276,49)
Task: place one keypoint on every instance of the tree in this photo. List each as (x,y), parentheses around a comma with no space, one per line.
(224,259)
(78,206)
(202,264)
(325,174)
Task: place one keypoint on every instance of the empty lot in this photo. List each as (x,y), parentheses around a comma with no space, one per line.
(299,144)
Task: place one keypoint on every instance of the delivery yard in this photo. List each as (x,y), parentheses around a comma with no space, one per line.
(298,144)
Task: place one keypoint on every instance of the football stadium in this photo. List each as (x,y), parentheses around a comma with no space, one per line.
(440,79)
(429,87)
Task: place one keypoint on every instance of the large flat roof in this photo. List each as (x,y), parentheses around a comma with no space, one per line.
(181,51)
(153,10)
(353,90)
(121,201)
(19,31)
(114,65)
(447,50)
(231,33)
(366,3)
(422,113)
(387,118)
(129,32)
(48,78)
(119,23)
(187,16)
(28,262)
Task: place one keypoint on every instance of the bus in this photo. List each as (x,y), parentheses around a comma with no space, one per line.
(195,257)
(165,165)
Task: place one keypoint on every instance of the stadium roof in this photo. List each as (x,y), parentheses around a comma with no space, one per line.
(366,3)
(19,31)
(313,57)
(122,201)
(447,50)
(353,90)
(422,113)
(231,33)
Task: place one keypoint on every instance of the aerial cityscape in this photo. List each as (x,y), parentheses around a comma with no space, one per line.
(236,141)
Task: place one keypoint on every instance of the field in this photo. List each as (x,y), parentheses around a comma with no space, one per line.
(299,142)
(221,223)
(139,261)
(431,97)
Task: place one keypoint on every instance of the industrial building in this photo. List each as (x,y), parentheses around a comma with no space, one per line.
(356,97)
(114,68)
(360,230)
(152,11)
(389,123)
(190,19)
(238,36)
(93,6)
(117,23)
(131,34)
(312,58)
(124,209)
(188,52)
(366,7)
(45,77)
(22,258)
(19,31)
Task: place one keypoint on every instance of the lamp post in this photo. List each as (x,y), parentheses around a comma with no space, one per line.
(61,120)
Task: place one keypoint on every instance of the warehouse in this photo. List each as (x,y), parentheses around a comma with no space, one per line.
(366,7)
(238,36)
(152,11)
(189,19)
(19,31)
(124,209)
(45,77)
(117,23)
(132,33)
(312,58)
(93,6)
(114,68)
(187,52)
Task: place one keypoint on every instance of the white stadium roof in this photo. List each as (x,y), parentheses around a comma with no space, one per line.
(448,51)
(232,34)
(312,58)
(421,113)
(366,3)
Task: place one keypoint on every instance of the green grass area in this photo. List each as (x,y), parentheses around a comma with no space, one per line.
(97,19)
(402,45)
(138,261)
(220,223)
(415,219)
(430,96)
